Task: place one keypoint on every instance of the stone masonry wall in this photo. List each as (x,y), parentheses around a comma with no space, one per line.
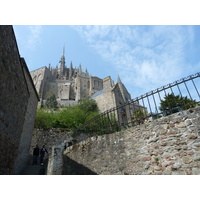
(167,146)
(106,101)
(14,97)
(55,161)
(49,137)
(26,136)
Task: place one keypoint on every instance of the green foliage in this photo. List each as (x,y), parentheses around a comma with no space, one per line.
(44,118)
(172,104)
(51,101)
(101,125)
(88,105)
(139,115)
(70,117)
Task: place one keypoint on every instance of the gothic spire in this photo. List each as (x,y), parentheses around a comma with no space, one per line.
(71,65)
(62,61)
(119,80)
(64,50)
(80,69)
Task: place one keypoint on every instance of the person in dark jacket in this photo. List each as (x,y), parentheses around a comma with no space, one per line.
(36,152)
(43,150)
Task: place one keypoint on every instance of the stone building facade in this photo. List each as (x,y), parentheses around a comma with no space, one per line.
(72,84)
(112,95)
(18,104)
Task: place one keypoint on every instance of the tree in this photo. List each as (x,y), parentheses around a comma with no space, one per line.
(172,104)
(88,105)
(51,101)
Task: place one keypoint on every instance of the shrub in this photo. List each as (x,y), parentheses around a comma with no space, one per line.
(44,118)
(51,101)
(70,117)
(173,104)
(88,105)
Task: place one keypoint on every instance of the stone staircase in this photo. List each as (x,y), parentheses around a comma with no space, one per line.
(35,169)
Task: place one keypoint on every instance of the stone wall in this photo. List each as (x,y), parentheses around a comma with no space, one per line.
(167,146)
(14,102)
(49,137)
(26,136)
(106,100)
(55,161)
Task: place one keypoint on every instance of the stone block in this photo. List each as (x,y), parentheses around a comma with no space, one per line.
(197,156)
(157,173)
(171,133)
(178,173)
(176,166)
(182,154)
(192,136)
(185,147)
(165,164)
(162,131)
(195,171)
(155,139)
(188,122)
(157,168)
(187,160)
(181,125)
(155,146)
(147,158)
(190,153)
(178,148)
(167,173)
(163,143)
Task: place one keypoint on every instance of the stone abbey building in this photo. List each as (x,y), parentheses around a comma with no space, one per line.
(72,84)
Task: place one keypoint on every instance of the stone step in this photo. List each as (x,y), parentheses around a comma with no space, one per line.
(33,170)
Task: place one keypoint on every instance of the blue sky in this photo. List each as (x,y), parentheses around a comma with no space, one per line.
(145,57)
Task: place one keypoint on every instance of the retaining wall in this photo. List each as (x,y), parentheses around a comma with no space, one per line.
(18,102)
(166,146)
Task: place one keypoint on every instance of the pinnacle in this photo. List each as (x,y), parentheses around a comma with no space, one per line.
(119,80)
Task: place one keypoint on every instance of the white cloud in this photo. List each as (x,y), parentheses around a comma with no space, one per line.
(34,36)
(146,57)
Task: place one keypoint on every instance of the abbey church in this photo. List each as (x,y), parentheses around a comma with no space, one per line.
(70,84)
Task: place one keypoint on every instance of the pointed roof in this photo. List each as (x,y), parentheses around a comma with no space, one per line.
(80,69)
(62,60)
(63,54)
(71,65)
(119,80)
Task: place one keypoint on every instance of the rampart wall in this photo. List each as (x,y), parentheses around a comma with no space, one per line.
(166,146)
(18,99)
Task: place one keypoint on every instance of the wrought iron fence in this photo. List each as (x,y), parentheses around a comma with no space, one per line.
(174,97)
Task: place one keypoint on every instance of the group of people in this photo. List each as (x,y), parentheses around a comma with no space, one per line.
(39,152)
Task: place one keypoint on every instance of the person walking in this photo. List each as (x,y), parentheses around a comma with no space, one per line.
(43,150)
(36,152)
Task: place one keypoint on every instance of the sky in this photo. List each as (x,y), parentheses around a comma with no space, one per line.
(145,57)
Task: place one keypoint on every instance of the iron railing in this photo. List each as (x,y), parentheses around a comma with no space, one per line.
(177,96)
